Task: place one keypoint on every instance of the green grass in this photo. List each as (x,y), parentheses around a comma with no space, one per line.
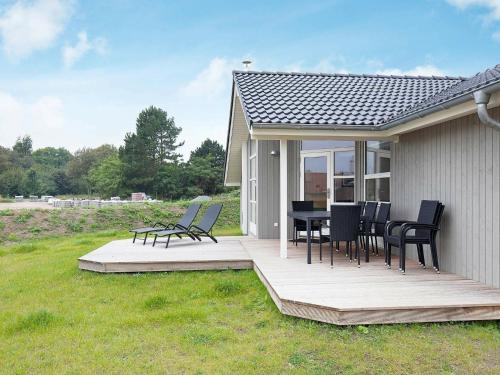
(57,319)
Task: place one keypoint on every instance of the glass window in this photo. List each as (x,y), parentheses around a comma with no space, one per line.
(343,189)
(253,167)
(253,212)
(378,157)
(315,181)
(344,163)
(378,189)
(325,145)
(253,190)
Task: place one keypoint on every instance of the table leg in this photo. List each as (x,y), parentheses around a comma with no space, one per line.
(308,227)
(367,247)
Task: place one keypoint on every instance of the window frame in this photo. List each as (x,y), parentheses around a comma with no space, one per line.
(373,176)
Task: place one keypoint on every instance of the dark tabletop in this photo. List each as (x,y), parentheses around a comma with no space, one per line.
(309,215)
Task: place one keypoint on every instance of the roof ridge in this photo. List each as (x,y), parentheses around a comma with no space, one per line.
(264,72)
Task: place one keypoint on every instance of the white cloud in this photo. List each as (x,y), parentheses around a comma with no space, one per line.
(27,27)
(492,5)
(42,116)
(420,70)
(213,80)
(71,54)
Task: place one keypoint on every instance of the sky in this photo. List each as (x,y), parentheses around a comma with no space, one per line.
(77,73)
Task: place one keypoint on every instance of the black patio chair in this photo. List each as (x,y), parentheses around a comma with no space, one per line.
(344,226)
(301,225)
(362,205)
(184,223)
(203,229)
(378,225)
(426,228)
(366,221)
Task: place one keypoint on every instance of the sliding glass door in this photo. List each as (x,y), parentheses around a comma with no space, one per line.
(315,177)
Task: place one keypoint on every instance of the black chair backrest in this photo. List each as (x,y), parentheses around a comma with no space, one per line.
(344,222)
(302,206)
(188,217)
(208,220)
(370,210)
(362,204)
(427,214)
(383,215)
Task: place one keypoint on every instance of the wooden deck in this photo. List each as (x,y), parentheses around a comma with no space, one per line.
(181,255)
(343,295)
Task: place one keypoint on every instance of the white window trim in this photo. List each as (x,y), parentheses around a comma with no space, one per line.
(252,225)
(373,176)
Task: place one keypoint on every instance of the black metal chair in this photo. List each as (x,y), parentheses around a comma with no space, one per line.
(366,222)
(301,225)
(426,228)
(184,223)
(344,226)
(378,225)
(203,229)
(362,205)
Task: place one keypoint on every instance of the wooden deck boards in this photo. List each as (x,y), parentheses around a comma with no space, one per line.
(344,294)
(182,255)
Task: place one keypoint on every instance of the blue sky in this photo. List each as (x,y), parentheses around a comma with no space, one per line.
(77,73)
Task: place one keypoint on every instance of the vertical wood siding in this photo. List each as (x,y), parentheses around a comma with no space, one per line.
(268,183)
(458,163)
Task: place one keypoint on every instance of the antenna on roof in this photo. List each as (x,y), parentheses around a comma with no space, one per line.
(246,64)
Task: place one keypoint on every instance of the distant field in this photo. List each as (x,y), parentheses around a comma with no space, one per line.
(24,224)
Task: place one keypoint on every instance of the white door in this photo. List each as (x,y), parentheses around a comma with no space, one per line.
(316,178)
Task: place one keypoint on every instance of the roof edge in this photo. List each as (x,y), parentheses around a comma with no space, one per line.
(264,72)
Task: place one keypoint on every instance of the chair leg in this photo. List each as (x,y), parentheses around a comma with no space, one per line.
(168,240)
(376,245)
(145,238)
(135,236)
(358,255)
(434,253)
(402,252)
(331,251)
(320,246)
(154,241)
(348,246)
(389,255)
(373,246)
(421,256)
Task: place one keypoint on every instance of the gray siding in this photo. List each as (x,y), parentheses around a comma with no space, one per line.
(457,162)
(268,185)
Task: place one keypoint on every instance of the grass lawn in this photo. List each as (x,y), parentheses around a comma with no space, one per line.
(56,319)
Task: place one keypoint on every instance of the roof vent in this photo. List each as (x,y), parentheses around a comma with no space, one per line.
(246,64)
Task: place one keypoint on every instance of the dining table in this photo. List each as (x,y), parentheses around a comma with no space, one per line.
(310,216)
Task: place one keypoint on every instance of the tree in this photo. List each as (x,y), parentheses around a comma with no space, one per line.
(12,182)
(206,167)
(107,177)
(51,156)
(23,146)
(84,160)
(211,147)
(149,150)
(159,134)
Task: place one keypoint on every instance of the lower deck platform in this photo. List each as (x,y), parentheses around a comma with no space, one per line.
(344,294)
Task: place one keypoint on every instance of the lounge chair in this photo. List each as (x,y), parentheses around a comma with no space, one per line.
(184,223)
(204,228)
